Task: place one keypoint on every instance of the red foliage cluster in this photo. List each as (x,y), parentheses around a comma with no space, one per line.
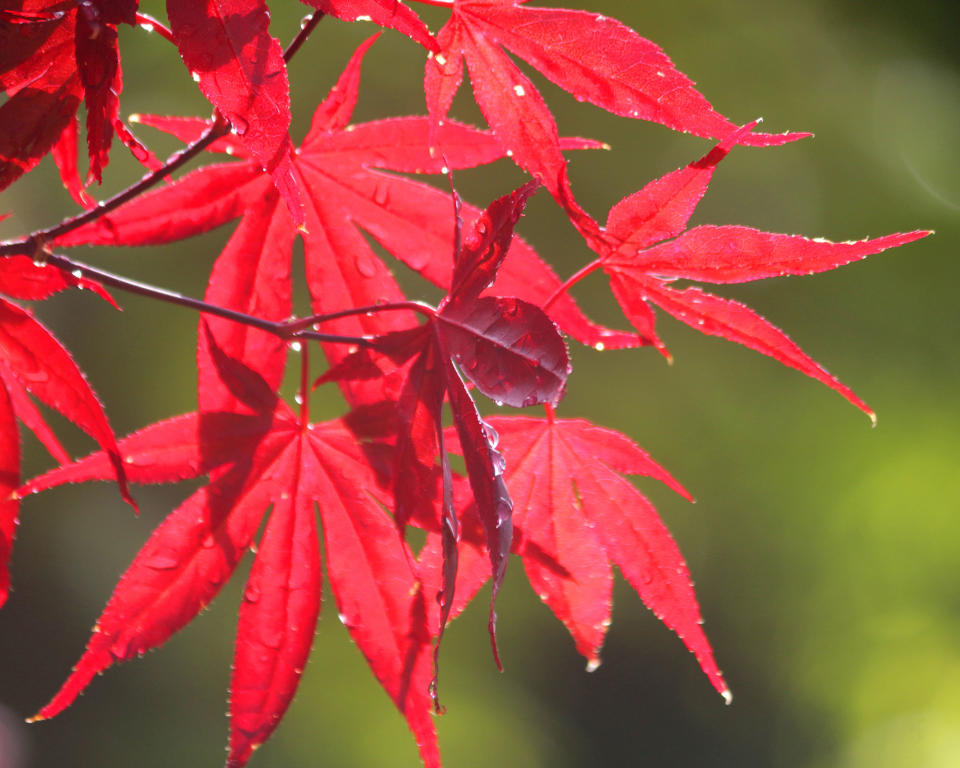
(549,490)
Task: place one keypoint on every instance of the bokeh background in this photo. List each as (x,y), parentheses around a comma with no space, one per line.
(826,553)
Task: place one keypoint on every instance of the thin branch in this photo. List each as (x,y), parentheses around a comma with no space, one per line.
(284,330)
(35,243)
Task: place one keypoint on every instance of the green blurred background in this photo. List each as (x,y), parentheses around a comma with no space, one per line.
(826,552)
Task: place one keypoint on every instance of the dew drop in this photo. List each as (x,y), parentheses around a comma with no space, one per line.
(519,90)
(365,264)
(240,125)
(37,376)
(509,153)
(490,434)
(498,403)
(593,665)
(252,593)
(147,27)
(381,194)
(441,59)
(296,346)
(195,76)
(272,638)
(161,562)
(599,346)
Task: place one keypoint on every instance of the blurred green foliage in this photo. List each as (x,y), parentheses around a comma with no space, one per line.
(826,553)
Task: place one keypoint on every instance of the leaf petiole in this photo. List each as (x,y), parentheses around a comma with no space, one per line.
(420,307)
(576,277)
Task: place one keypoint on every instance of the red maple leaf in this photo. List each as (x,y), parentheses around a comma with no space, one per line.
(645,247)
(267,456)
(575,516)
(239,67)
(386,13)
(594,57)
(33,362)
(53,54)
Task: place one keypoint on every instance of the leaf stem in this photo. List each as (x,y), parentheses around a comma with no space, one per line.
(284,330)
(576,277)
(306,28)
(420,307)
(304,387)
(150,24)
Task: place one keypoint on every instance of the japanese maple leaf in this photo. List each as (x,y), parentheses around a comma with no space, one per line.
(575,516)
(340,167)
(594,57)
(646,247)
(53,54)
(239,67)
(33,362)
(508,348)
(266,457)
(387,13)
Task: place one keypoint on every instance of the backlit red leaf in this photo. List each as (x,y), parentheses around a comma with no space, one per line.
(595,58)
(240,67)
(38,71)
(278,615)
(22,279)
(39,364)
(641,272)
(257,461)
(9,480)
(56,53)
(387,13)
(576,516)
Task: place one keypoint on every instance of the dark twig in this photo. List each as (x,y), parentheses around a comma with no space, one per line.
(305,29)
(284,329)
